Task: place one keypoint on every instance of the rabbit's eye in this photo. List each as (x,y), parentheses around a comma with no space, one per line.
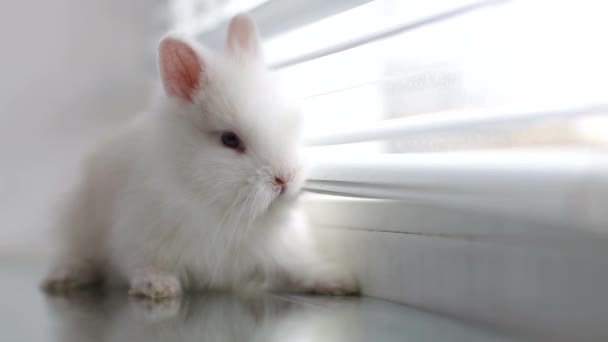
(231,140)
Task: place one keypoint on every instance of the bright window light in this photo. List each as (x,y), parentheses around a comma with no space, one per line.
(515,53)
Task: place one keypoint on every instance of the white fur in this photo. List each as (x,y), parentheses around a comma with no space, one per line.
(163,205)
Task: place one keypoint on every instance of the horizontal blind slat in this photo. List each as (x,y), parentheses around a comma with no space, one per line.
(385,33)
(453,121)
(562,188)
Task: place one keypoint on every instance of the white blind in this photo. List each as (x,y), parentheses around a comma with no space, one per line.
(459,151)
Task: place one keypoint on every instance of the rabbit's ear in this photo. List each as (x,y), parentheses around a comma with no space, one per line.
(243,40)
(182,69)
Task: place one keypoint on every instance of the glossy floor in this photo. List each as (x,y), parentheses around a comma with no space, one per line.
(26,314)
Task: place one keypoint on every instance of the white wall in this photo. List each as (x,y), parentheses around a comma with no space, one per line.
(70,70)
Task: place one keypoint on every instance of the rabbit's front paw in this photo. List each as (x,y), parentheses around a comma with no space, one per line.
(329,281)
(336,283)
(154,285)
(71,276)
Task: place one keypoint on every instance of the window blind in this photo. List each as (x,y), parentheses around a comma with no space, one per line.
(458,151)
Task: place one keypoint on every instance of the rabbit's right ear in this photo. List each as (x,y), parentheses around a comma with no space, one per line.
(182,69)
(243,40)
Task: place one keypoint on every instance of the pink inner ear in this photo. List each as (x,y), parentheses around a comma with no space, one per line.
(181,69)
(243,37)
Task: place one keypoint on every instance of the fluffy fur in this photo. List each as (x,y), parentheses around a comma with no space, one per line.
(163,205)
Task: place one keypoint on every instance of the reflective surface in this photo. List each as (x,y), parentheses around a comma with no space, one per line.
(28,315)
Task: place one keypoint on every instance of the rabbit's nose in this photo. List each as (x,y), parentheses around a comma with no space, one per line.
(280,182)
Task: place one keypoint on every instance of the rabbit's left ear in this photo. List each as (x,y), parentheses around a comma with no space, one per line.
(183,71)
(243,40)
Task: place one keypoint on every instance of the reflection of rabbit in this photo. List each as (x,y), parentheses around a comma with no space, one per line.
(81,316)
(215,317)
(199,193)
(225,318)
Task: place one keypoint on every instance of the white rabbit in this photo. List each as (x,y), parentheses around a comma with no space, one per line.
(200,192)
